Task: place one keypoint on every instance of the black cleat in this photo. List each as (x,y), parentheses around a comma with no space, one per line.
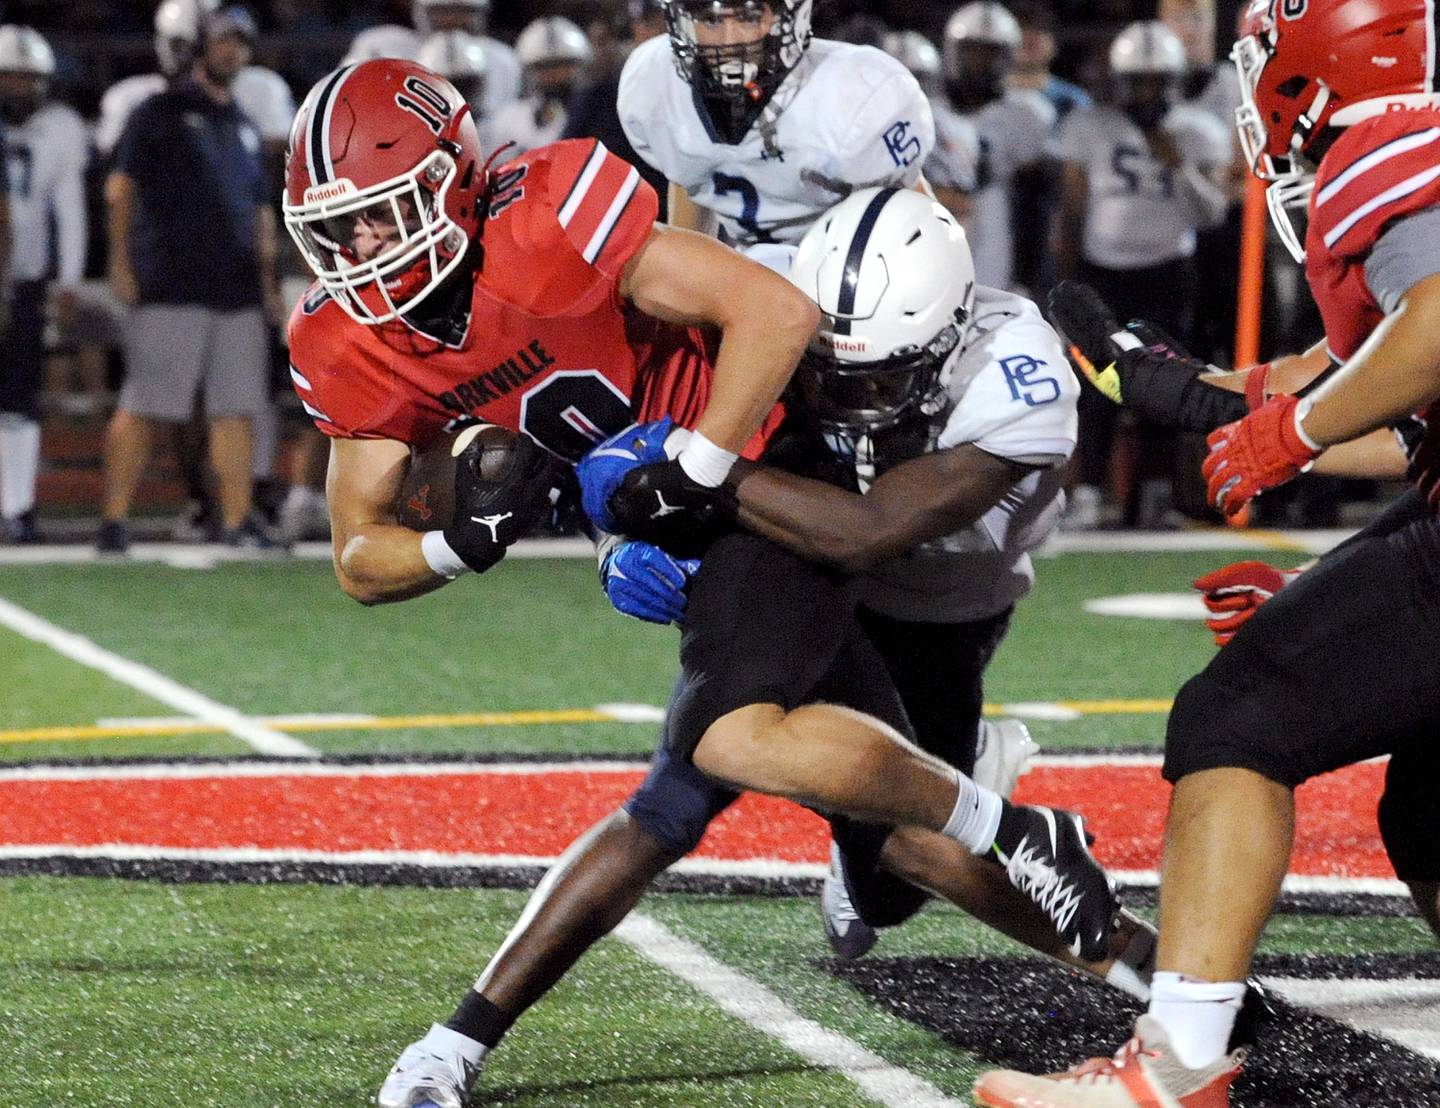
(1045,855)
(113,537)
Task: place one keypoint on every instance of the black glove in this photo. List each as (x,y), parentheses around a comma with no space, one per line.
(492,514)
(662,505)
(1138,366)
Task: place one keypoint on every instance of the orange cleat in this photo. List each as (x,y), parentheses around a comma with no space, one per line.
(1145,1073)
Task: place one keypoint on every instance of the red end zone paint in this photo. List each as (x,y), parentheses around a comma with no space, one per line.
(540,813)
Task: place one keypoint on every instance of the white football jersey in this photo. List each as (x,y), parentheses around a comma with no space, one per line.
(1137,214)
(46,156)
(1012,394)
(119,103)
(1014,133)
(516,122)
(847,117)
(266,98)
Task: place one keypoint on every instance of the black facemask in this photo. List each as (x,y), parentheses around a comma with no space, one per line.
(970,91)
(15,110)
(1148,115)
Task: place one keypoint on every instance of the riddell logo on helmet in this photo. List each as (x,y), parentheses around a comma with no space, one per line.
(844,345)
(329,191)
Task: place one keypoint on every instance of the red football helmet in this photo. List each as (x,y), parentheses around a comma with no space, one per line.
(384,182)
(1310,65)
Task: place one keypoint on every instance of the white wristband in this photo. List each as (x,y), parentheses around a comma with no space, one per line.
(705,463)
(440,557)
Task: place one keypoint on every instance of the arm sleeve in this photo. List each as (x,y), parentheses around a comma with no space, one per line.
(1021,404)
(68,205)
(1406,253)
(890,136)
(605,207)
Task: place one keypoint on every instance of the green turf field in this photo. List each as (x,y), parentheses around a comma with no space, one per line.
(143,993)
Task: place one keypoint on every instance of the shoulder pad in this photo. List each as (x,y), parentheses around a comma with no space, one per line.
(1379,170)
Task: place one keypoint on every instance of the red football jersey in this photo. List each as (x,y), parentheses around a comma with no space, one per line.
(550,348)
(1378,171)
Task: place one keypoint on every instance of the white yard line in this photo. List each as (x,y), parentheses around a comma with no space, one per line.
(761,868)
(157,686)
(751,1002)
(1406,1012)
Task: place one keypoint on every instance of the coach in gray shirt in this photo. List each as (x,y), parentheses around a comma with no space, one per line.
(192,249)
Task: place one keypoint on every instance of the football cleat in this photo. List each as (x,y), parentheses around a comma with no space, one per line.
(1046,857)
(1003,755)
(850,937)
(1144,1073)
(431,1073)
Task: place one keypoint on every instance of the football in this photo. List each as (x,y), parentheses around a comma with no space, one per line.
(427,497)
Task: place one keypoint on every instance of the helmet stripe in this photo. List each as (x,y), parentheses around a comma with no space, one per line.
(850,278)
(322,169)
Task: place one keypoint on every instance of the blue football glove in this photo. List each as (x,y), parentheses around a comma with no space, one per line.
(601,471)
(643,581)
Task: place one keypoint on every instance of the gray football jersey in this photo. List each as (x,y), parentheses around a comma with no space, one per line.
(1012,394)
(1137,213)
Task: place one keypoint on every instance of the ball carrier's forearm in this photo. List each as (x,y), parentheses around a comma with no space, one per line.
(764,321)
(384,563)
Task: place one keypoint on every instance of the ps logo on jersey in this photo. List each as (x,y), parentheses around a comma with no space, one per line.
(492,522)
(903,146)
(426,102)
(1026,382)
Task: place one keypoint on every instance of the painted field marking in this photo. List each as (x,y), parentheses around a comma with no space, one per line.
(413,811)
(1406,1012)
(752,1003)
(172,727)
(219,717)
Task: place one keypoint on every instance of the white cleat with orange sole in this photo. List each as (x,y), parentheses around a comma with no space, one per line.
(1144,1073)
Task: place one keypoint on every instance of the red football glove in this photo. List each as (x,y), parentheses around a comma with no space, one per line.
(1234,593)
(1256,453)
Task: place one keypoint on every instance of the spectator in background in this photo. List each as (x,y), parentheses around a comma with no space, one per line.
(554,52)
(46,149)
(1034,58)
(1142,175)
(1013,125)
(593,111)
(192,248)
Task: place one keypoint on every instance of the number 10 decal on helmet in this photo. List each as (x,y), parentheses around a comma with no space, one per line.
(384,184)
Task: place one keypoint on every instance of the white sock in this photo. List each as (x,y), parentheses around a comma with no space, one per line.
(19,464)
(444,1041)
(976,816)
(1197,1015)
(1132,970)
